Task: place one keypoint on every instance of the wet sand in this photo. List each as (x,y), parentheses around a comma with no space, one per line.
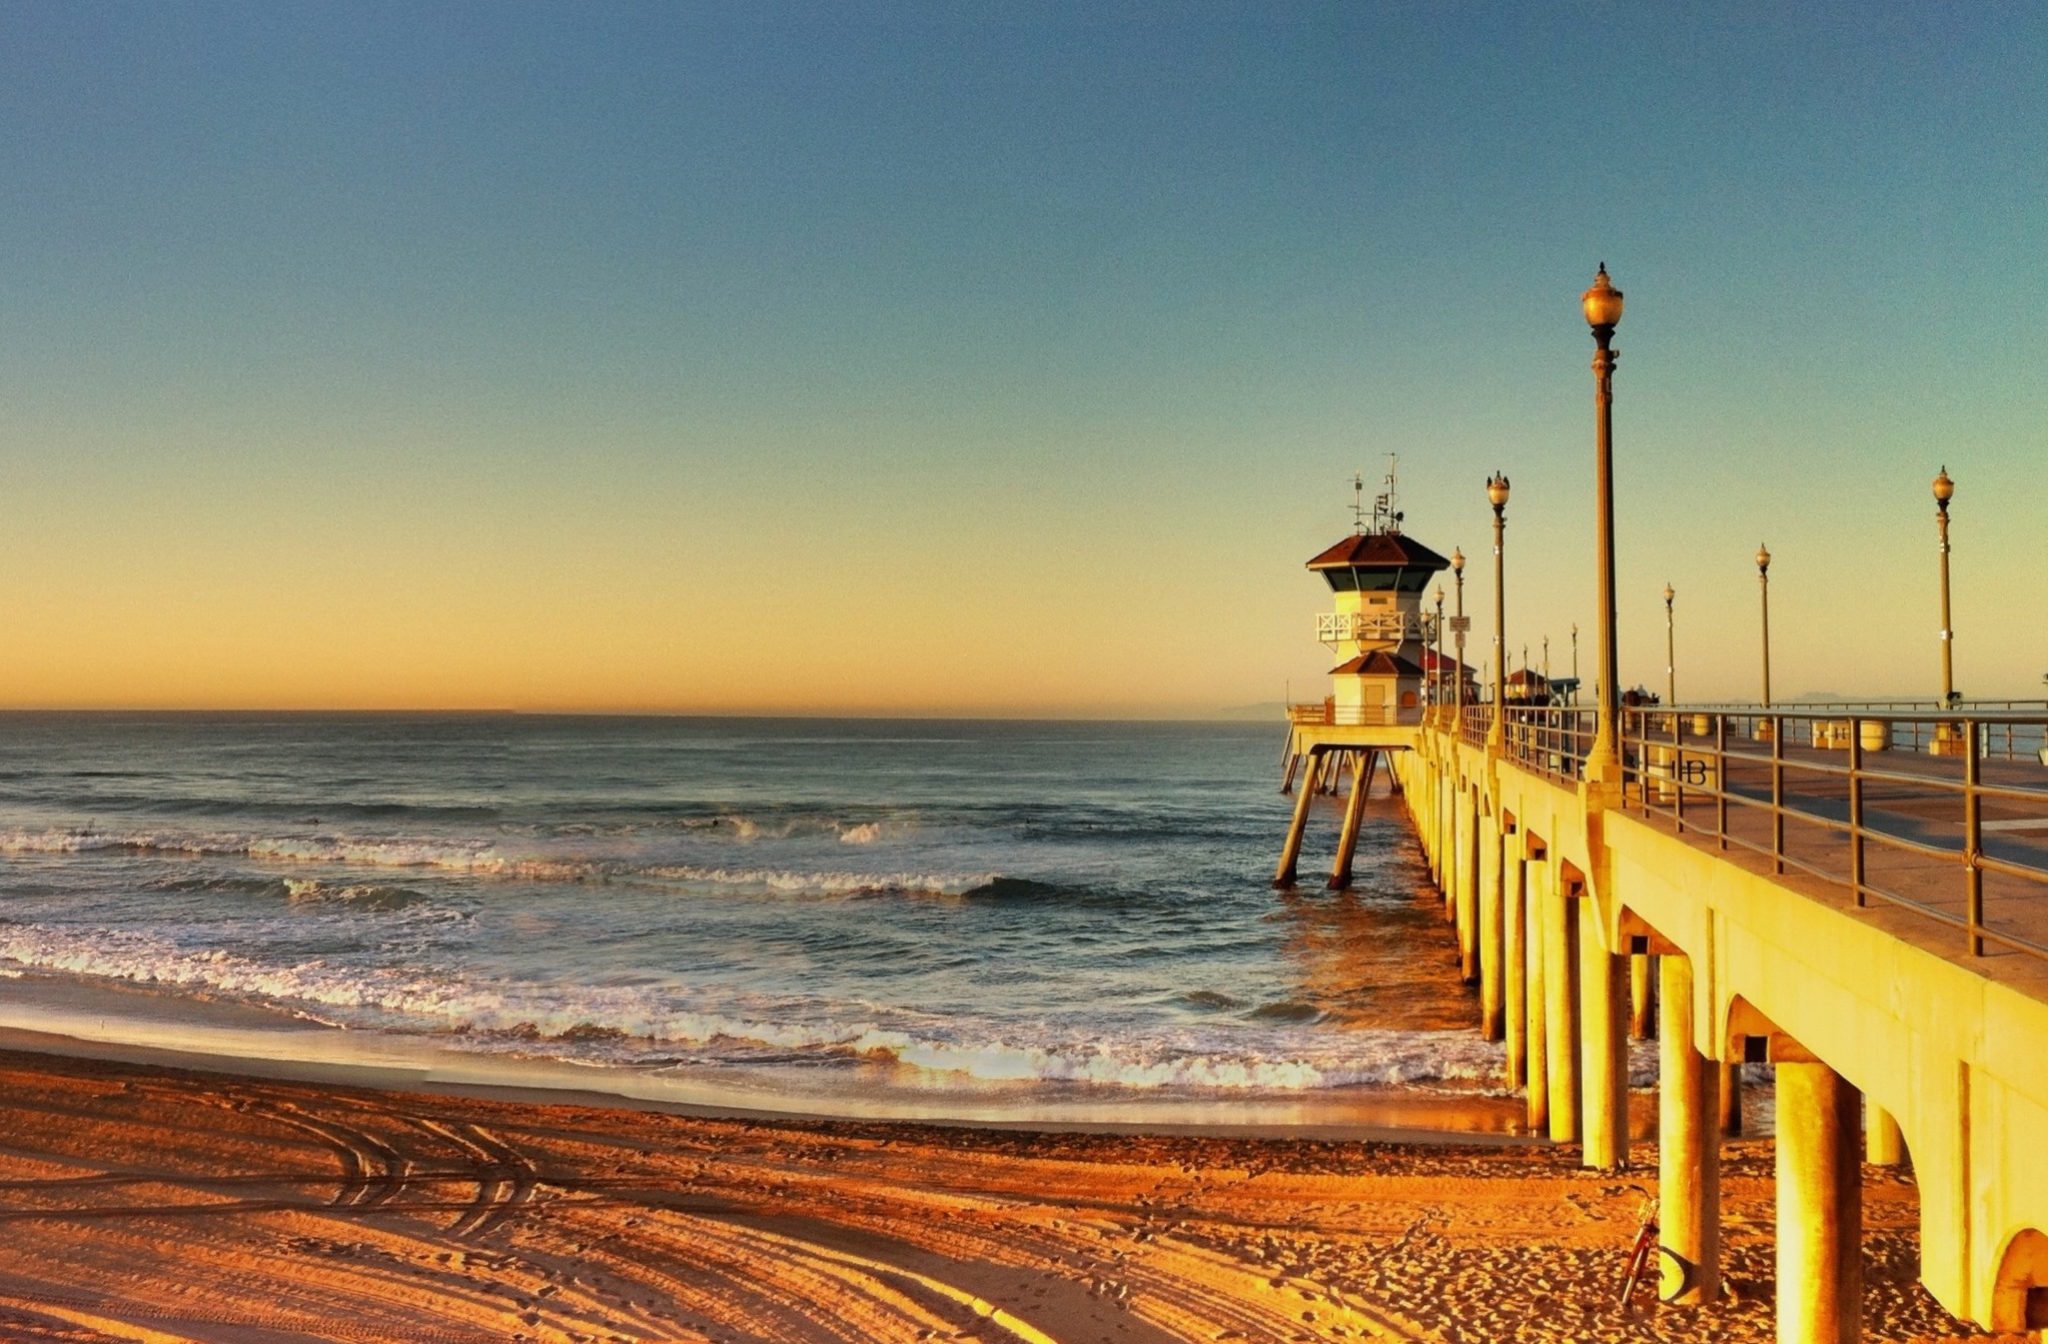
(139,1202)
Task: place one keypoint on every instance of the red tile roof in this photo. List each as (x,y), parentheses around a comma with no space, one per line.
(1379,550)
(1378,663)
(1447,664)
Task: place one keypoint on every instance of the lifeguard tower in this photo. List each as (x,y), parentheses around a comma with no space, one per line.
(1379,636)
(1377,576)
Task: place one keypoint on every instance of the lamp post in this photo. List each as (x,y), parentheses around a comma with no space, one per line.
(1602,306)
(1497,494)
(1670,652)
(1763,579)
(1458,574)
(1436,693)
(1944,489)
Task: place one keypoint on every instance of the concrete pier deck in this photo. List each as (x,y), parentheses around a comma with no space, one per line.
(1870,914)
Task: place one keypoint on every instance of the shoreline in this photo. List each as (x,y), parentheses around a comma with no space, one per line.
(1383,1116)
(143,1201)
(62,1014)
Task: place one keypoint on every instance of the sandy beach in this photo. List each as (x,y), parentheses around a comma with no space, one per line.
(156,1204)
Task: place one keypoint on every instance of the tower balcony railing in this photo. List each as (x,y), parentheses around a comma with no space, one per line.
(1339,627)
(1940,812)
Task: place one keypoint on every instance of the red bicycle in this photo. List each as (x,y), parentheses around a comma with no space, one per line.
(1643,1253)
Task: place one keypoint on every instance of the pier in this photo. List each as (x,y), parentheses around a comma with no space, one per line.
(1834,889)
(1856,894)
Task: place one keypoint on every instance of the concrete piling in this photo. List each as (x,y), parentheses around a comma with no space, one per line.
(1688,1146)
(1820,1204)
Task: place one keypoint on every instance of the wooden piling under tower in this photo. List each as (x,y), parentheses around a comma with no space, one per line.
(1290,852)
(1354,815)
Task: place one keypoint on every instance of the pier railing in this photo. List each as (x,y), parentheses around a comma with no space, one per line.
(1939,812)
(1351,716)
(1551,740)
(1914,722)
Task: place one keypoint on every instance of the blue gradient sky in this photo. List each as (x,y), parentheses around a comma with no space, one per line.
(995,358)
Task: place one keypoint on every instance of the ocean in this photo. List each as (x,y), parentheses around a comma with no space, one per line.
(1010,920)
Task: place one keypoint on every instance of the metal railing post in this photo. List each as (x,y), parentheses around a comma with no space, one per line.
(1973,840)
(1856,809)
(1721,774)
(1777,793)
(1641,743)
(1677,773)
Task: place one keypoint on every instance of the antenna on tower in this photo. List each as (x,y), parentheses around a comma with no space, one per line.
(1385,517)
(1358,504)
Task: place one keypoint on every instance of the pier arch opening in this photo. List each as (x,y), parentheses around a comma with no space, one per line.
(2019,1295)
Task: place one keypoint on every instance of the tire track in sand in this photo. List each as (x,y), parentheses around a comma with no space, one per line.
(505,1178)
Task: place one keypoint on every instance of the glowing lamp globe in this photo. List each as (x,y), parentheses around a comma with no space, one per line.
(1602,302)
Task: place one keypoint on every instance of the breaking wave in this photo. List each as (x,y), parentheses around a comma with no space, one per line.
(483,859)
(639,1025)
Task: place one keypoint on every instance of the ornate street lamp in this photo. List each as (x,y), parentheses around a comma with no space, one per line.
(1436,693)
(1670,651)
(1763,578)
(1602,305)
(1497,494)
(1944,490)
(1458,695)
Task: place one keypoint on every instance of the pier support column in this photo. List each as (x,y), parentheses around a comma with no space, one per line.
(1354,815)
(1514,960)
(1535,905)
(1883,1144)
(1561,1007)
(1492,1010)
(1642,996)
(1290,852)
(1454,845)
(1603,977)
(1440,810)
(1422,802)
(1820,1203)
(1468,889)
(1730,1100)
(1688,1146)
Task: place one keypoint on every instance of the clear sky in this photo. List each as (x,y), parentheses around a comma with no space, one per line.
(995,357)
